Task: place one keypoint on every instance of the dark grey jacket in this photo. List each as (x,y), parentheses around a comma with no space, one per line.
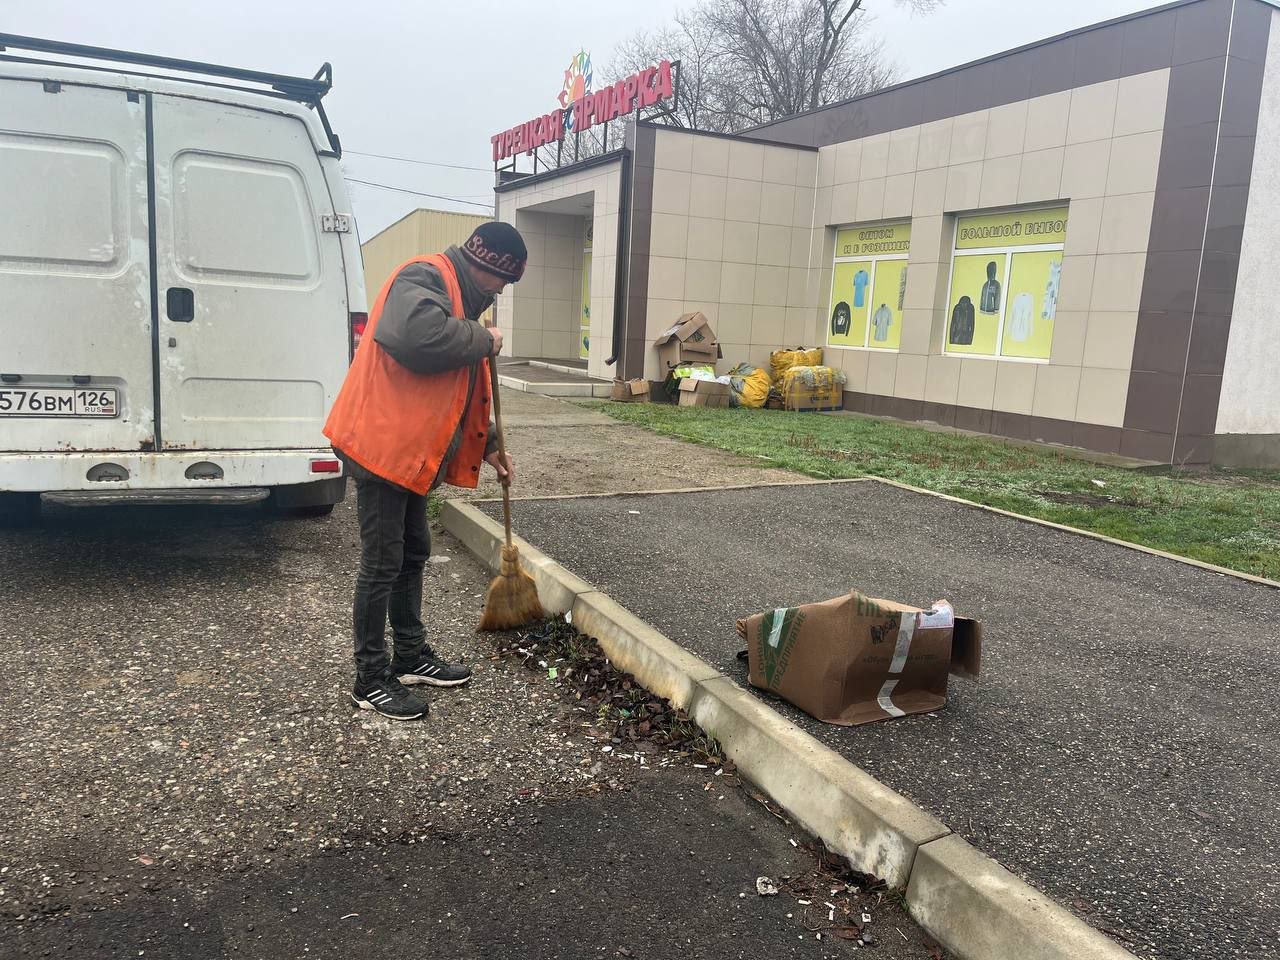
(417,327)
(418,330)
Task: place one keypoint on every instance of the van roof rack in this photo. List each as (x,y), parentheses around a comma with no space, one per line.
(305,90)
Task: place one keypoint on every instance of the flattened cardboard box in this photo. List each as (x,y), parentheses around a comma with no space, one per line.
(703,393)
(689,340)
(630,391)
(857,659)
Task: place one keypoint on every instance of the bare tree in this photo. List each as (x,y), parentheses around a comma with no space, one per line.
(746,62)
(691,39)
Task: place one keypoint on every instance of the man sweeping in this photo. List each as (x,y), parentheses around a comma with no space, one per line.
(414,413)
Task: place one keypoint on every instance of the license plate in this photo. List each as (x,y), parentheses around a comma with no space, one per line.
(57,402)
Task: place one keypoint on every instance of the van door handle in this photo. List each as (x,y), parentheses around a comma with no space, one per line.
(180,304)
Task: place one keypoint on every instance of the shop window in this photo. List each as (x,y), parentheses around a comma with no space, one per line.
(868,285)
(1006,270)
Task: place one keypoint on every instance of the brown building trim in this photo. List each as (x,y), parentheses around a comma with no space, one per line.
(1015,426)
(1202,188)
(642,140)
(690,131)
(533,179)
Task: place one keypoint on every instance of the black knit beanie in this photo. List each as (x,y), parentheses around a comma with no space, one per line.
(497,248)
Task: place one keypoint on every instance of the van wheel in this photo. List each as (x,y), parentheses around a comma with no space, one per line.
(19,509)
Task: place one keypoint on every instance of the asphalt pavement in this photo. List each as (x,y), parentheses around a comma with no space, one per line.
(182,774)
(1121,751)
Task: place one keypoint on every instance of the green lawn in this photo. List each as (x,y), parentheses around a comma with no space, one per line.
(1228,518)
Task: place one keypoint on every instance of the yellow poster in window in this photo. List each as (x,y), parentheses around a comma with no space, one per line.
(584,318)
(976,304)
(1034,279)
(1022,228)
(876,240)
(889,288)
(850,304)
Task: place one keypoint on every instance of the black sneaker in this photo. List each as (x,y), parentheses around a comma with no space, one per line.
(430,669)
(387,696)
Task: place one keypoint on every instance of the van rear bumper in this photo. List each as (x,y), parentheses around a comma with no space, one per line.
(180,470)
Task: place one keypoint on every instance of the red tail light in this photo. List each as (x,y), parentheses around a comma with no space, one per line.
(358,322)
(326,466)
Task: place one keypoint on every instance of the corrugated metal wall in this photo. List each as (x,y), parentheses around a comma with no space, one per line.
(418,233)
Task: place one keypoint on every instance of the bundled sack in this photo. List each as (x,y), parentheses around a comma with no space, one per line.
(780,361)
(750,385)
(857,659)
(813,388)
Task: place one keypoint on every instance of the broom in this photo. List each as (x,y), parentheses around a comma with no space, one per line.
(513,596)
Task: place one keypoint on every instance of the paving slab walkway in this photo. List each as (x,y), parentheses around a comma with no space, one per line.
(1121,750)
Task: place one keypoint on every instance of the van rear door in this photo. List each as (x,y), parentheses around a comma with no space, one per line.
(252,294)
(75,283)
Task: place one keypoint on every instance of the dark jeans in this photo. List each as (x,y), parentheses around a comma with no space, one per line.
(395,543)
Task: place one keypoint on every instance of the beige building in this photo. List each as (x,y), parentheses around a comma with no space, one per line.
(1048,244)
(417,233)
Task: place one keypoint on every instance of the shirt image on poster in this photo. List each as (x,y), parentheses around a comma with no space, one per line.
(990,302)
(886,315)
(860,281)
(1050,307)
(1032,276)
(960,333)
(970,328)
(881,320)
(841,316)
(847,327)
(1021,318)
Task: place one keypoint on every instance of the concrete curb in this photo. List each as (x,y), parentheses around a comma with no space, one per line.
(962,896)
(974,907)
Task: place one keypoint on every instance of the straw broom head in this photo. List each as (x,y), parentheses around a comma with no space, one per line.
(513,596)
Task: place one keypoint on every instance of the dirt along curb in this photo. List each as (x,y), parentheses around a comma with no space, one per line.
(974,907)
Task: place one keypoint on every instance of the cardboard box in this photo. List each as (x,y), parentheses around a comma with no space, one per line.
(630,391)
(703,393)
(857,659)
(689,340)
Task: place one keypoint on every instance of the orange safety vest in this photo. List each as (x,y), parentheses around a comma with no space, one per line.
(398,424)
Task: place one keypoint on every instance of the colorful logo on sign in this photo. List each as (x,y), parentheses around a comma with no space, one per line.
(577,84)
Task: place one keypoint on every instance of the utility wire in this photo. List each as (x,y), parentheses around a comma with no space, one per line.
(425,163)
(419,193)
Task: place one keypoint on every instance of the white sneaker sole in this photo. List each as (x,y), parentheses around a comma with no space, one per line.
(410,679)
(366,705)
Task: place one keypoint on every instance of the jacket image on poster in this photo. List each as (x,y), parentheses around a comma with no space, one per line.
(882,320)
(860,281)
(1050,306)
(962,323)
(1022,324)
(841,320)
(989,302)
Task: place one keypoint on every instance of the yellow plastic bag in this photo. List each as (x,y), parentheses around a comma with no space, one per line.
(750,385)
(813,388)
(780,361)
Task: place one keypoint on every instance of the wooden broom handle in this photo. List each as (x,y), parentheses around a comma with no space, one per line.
(502,445)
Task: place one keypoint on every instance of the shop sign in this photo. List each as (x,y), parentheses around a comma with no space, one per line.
(636,92)
(1022,228)
(877,241)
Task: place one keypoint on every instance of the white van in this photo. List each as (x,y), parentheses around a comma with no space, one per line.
(180,282)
